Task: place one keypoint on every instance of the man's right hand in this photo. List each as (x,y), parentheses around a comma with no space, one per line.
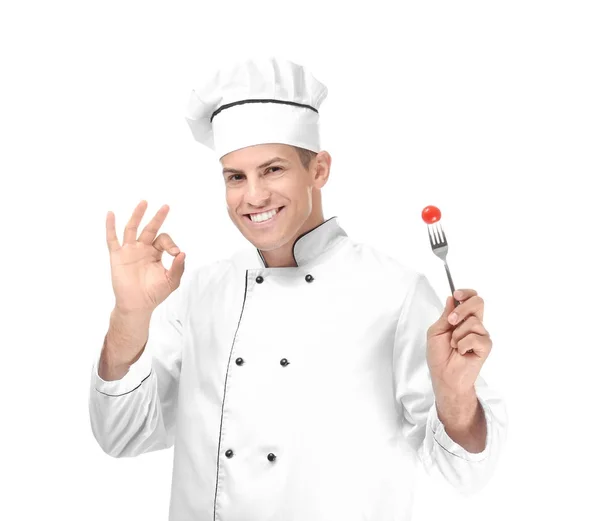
(140,281)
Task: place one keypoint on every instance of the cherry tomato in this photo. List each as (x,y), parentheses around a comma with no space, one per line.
(431,214)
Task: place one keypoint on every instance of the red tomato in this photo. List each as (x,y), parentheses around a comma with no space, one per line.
(431,214)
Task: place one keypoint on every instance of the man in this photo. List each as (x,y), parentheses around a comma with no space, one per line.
(303,378)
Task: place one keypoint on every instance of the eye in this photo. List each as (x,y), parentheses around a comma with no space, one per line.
(271,167)
(232,176)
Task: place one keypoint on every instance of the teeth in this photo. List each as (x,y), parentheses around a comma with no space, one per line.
(260,217)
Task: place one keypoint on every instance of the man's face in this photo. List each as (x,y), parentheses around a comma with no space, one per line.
(263,178)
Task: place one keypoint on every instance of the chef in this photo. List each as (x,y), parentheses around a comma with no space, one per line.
(305,377)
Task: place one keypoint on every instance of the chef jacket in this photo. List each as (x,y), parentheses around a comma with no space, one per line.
(293,393)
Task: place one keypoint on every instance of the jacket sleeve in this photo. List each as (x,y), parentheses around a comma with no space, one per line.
(467,472)
(136,414)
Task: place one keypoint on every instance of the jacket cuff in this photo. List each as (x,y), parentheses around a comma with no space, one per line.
(441,436)
(138,372)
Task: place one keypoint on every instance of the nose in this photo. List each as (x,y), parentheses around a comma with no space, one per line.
(257,194)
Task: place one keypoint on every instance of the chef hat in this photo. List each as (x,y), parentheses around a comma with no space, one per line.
(257,100)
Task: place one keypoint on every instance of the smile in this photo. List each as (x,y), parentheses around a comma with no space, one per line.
(261,219)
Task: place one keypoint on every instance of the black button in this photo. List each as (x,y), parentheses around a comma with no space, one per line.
(271,456)
(284,362)
(229,453)
(309,278)
(259,279)
(239,361)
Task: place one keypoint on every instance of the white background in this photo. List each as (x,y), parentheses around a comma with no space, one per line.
(489,110)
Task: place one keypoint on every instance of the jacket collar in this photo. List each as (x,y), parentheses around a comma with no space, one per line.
(313,243)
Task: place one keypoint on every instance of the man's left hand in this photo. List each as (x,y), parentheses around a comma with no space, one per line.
(453,370)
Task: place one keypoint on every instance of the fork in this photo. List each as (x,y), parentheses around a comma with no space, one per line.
(439,245)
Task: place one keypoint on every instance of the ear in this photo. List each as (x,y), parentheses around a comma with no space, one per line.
(322,167)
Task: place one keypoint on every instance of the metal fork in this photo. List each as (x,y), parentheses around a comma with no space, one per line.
(439,245)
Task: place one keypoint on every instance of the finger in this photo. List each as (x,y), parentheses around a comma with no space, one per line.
(464,293)
(441,325)
(111,234)
(471,306)
(151,229)
(176,270)
(477,344)
(164,243)
(130,235)
(470,325)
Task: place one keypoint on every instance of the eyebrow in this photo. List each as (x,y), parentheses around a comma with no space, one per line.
(264,165)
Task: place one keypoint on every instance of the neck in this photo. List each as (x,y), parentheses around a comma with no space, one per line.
(284,257)
(280,258)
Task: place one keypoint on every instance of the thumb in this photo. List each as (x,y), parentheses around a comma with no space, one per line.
(177,268)
(442,325)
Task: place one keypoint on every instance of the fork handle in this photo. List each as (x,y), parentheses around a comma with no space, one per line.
(456,302)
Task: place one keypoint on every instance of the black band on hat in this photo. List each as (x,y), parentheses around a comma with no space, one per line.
(260,101)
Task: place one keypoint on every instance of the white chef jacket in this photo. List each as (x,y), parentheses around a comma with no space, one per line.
(295,393)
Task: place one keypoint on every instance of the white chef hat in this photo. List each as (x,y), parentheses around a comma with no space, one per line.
(257,100)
